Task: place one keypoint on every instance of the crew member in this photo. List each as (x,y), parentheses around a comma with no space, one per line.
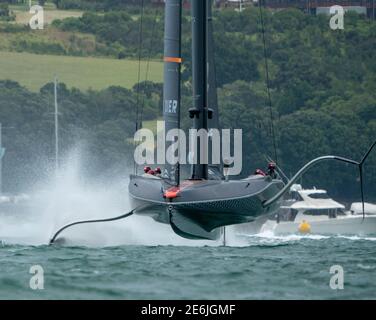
(158,171)
(259,172)
(147,169)
(271,170)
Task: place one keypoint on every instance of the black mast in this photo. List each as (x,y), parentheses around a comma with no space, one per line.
(199,112)
(172,77)
(213,116)
(212,77)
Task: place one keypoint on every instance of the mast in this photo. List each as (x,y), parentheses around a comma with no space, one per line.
(2,152)
(199,112)
(172,78)
(213,121)
(212,82)
(56,128)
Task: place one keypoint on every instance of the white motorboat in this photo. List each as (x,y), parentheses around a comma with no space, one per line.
(4,199)
(357,208)
(14,204)
(312,211)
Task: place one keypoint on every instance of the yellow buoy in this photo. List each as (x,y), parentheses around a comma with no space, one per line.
(304,227)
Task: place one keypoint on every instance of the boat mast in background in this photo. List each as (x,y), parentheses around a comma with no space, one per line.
(2,152)
(199,112)
(172,81)
(56,129)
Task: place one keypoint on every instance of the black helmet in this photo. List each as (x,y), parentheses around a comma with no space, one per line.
(272,165)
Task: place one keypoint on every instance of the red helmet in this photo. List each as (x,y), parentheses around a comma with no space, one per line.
(260,172)
(158,170)
(152,172)
(147,169)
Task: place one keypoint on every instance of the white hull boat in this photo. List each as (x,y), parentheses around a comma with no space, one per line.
(357,208)
(311,211)
(349,225)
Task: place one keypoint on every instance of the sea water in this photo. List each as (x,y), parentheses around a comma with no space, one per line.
(265,269)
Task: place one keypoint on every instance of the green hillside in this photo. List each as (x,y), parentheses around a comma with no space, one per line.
(322,88)
(34,71)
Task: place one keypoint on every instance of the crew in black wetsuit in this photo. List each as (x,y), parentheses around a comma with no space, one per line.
(271,170)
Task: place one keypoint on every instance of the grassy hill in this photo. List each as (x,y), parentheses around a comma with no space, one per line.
(33,71)
(22,14)
(23,17)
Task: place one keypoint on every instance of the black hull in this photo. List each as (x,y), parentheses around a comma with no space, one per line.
(202,207)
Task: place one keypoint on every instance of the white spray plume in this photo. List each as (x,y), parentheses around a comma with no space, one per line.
(68,198)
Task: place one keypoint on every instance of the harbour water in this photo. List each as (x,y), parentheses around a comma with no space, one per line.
(293,267)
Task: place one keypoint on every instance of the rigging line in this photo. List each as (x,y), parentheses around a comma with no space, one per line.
(154,29)
(139,72)
(268,80)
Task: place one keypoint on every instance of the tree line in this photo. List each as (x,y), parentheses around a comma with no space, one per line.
(321,84)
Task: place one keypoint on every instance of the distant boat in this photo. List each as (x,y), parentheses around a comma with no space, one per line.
(14,204)
(312,211)
(357,208)
(4,199)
